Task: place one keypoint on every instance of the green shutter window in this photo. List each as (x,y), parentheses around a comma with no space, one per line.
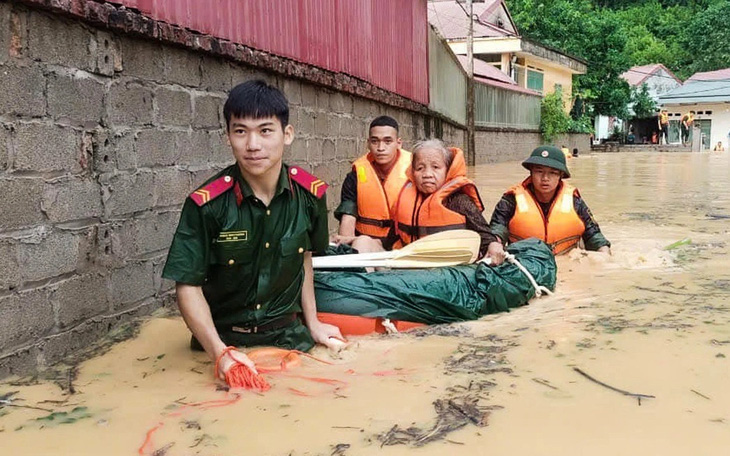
(534,80)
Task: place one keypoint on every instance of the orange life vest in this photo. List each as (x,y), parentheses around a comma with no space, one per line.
(375,200)
(417,215)
(561,229)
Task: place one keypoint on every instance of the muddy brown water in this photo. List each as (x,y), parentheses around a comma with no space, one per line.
(646,320)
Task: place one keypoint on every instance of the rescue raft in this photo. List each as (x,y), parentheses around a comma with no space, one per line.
(362,303)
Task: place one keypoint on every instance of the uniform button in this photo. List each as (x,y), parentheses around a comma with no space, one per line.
(268,211)
(227,178)
(231,261)
(293,171)
(266,245)
(301,250)
(258,306)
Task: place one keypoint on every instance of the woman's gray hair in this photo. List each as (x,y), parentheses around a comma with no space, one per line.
(435,144)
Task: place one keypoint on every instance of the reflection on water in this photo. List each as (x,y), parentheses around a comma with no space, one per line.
(647,320)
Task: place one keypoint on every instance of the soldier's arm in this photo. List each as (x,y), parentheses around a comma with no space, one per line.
(196,313)
(347,225)
(321,332)
(346,212)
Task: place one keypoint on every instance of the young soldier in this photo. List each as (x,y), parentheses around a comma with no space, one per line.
(242,253)
(371,188)
(546,207)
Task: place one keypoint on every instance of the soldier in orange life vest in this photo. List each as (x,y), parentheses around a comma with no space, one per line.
(371,188)
(438,197)
(242,253)
(546,207)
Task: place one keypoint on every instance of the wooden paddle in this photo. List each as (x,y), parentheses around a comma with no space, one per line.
(447,248)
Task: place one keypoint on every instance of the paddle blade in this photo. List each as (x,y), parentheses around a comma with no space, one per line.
(448,248)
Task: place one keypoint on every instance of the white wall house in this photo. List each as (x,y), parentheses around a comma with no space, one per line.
(658,79)
(708,95)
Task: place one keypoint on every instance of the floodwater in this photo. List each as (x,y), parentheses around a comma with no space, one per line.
(648,321)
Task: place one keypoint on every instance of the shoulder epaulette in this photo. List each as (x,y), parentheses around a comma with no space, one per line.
(315,186)
(212,190)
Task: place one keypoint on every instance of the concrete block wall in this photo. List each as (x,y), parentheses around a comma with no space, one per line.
(498,145)
(103,133)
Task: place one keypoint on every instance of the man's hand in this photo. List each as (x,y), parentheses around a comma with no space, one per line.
(340,239)
(321,333)
(495,252)
(229,359)
(605,249)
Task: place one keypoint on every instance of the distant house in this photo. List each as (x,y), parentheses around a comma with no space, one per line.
(708,95)
(498,43)
(658,80)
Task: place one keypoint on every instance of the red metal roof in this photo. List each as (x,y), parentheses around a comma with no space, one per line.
(711,75)
(384,42)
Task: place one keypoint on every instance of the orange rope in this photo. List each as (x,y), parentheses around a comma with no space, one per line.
(240,375)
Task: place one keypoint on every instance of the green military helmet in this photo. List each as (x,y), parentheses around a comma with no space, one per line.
(549,156)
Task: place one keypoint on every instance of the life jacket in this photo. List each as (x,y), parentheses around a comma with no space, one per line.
(417,215)
(561,229)
(375,199)
(688,119)
(664,118)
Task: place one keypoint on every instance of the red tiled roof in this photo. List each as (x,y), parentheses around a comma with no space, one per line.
(504,85)
(635,76)
(711,75)
(483,69)
(452,22)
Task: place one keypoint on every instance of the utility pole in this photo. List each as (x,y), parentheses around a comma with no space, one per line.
(470,141)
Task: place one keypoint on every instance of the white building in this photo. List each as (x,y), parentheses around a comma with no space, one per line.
(708,95)
(658,79)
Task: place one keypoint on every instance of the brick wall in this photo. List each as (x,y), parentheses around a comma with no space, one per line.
(107,121)
(497,145)
(103,133)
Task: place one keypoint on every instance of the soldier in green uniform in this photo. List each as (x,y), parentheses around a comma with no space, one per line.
(242,253)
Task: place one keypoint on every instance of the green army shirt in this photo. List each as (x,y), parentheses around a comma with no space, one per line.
(248,257)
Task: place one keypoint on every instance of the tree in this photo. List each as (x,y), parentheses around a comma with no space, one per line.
(707,38)
(553,119)
(643,104)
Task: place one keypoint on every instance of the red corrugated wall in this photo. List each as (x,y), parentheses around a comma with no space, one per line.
(384,42)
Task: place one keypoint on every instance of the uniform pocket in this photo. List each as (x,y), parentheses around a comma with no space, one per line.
(232,253)
(296,244)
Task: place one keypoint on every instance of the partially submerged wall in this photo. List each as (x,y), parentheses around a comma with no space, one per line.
(104,130)
(107,121)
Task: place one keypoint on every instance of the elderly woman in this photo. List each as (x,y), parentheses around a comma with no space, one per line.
(546,207)
(437,197)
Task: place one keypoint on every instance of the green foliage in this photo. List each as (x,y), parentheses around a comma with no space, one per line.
(643,104)
(613,35)
(553,119)
(709,38)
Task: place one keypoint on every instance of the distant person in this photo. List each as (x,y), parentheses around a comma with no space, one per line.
(544,206)
(566,152)
(371,188)
(718,147)
(663,125)
(686,125)
(575,152)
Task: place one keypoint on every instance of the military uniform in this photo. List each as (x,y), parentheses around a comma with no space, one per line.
(248,258)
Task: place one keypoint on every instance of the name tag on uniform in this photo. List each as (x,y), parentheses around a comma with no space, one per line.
(232,236)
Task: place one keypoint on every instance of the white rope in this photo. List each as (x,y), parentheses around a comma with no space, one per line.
(539,289)
(389,326)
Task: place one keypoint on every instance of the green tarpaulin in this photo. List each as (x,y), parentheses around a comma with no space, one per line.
(439,295)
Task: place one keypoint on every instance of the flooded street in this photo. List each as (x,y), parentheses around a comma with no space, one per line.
(649,320)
